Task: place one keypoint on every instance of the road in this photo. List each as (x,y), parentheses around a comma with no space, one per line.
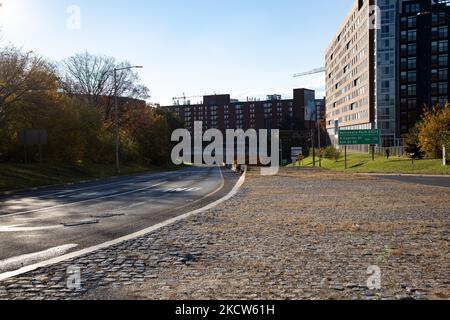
(437,181)
(83,215)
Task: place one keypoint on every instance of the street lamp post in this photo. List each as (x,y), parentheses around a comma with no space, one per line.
(116,115)
(319,133)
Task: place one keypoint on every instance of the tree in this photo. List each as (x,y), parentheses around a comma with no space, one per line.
(22,76)
(92,77)
(434,130)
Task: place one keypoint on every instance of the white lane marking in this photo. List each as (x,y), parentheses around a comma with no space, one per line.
(18,262)
(155,175)
(133,236)
(20,228)
(82,201)
(177,190)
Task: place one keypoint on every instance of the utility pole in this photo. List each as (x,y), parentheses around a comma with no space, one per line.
(319,137)
(313,146)
(116,124)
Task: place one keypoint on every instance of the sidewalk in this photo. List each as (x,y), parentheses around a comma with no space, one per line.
(301,235)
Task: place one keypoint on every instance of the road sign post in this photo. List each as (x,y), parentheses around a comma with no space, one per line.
(359,137)
(345,157)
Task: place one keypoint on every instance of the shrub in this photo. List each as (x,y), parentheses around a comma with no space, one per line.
(331,153)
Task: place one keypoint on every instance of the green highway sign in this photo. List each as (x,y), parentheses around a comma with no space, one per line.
(354,137)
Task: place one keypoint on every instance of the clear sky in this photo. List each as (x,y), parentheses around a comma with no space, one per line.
(242,47)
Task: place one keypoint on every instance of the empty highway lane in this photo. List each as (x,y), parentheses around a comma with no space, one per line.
(65,219)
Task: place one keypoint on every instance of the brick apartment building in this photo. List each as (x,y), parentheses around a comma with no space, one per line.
(293,117)
(222,113)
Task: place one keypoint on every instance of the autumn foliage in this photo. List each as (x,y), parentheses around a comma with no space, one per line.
(35,94)
(432,132)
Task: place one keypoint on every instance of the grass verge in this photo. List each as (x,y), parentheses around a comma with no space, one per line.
(23,176)
(362,163)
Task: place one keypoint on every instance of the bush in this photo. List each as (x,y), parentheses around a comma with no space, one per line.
(331,153)
(412,144)
(434,131)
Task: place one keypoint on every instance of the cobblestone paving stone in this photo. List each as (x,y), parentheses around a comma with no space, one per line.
(298,235)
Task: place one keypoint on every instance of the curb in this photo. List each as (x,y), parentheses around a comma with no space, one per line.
(405,175)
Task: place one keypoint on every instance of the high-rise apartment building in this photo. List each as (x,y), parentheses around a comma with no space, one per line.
(424,62)
(388,61)
(350,73)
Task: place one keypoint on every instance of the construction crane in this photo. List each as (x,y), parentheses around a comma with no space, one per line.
(176,100)
(315,71)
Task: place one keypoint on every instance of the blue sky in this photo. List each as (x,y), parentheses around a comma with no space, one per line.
(242,47)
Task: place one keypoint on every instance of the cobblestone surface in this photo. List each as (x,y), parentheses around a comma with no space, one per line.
(299,235)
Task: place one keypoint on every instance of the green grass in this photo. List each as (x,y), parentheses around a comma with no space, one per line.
(21,176)
(362,163)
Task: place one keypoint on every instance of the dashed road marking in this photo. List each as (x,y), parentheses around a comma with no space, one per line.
(83,201)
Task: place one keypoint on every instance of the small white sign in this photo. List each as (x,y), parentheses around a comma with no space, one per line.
(296,151)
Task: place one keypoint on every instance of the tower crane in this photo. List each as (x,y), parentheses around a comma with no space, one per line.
(314,71)
(176,100)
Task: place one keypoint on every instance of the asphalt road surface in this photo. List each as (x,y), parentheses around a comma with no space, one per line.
(437,181)
(88,214)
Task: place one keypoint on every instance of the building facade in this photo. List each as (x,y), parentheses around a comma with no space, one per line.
(424,63)
(388,62)
(222,113)
(386,84)
(350,73)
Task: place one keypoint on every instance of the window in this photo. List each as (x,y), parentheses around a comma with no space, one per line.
(412,76)
(404,21)
(443,60)
(443,87)
(434,19)
(412,90)
(403,89)
(443,46)
(443,74)
(404,63)
(443,32)
(404,35)
(434,46)
(434,74)
(412,22)
(412,63)
(412,8)
(412,103)
(434,88)
(404,49)
(404,76)
(412,35)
